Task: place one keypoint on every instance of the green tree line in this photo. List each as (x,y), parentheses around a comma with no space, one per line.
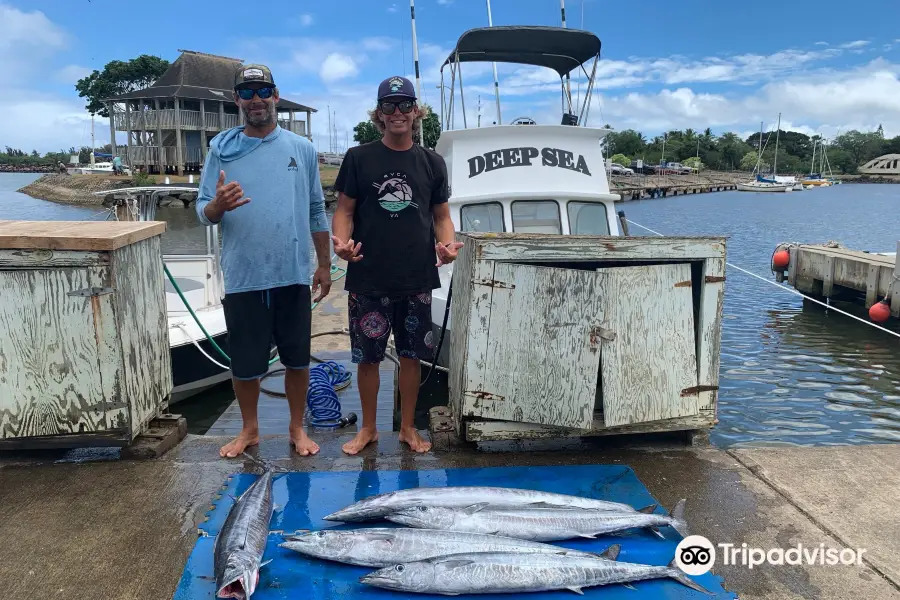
(845,153)
(17,157)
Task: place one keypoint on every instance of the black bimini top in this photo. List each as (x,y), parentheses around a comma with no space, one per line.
(558,48)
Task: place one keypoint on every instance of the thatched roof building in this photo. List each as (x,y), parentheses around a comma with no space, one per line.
(170,123)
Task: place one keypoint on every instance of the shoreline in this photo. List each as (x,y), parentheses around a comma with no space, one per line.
(79,189)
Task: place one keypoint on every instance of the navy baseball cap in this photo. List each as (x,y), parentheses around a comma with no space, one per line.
(400,87)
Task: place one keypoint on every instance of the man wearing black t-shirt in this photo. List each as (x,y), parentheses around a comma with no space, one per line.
(392,225)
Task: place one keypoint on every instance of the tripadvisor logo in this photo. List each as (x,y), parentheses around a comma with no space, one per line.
(696,555)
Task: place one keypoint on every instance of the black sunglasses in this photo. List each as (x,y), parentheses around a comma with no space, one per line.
(405,107)
(247,93)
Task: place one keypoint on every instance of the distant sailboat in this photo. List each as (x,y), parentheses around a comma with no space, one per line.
(759,184)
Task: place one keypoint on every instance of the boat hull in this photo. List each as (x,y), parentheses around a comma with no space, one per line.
(763,187)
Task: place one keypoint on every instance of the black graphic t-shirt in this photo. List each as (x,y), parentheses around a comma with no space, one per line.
(394,192)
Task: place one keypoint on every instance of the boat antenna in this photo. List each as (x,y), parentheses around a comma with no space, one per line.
(562,10)
(494,65)
(412,14)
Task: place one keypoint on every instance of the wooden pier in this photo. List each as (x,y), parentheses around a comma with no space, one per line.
(831,271)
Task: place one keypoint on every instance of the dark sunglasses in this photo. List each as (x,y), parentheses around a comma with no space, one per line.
(247,93)
(405,107)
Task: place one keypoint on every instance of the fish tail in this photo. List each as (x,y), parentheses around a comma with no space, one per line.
(678,522)
(679,576)
(266,466)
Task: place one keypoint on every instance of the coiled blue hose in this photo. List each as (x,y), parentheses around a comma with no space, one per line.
(324,409)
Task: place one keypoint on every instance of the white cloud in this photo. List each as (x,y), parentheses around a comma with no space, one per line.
(305,20)
(72,73)
(860,98)
(444,2)
(392,8)
(27,39)
(337,67)
(821,43)
(856,44)
(48,123)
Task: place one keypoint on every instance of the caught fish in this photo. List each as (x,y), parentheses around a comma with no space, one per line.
(511,572)
(538,524)
(382,547)
(379,506)
(242,541)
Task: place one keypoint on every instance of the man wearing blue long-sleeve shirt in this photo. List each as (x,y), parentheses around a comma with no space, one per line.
(261,183)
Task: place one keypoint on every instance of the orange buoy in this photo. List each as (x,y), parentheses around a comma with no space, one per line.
(880,312)
(781,260)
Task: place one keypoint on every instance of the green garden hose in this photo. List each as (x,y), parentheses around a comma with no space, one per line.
(334,269)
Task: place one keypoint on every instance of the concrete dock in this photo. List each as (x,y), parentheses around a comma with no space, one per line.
(85,525)
(88,525)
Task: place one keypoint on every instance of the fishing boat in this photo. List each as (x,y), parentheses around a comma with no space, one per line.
(196,364)
(539,178)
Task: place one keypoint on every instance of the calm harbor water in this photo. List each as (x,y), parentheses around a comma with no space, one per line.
(788,375)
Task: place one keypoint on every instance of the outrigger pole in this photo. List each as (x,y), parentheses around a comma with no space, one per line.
(494,65)
(412,14)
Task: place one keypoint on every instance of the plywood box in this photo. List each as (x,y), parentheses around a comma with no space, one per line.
(84,347)
(584,335)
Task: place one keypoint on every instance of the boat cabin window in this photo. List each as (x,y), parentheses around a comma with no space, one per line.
(588,218)
(536,216)
(482,217)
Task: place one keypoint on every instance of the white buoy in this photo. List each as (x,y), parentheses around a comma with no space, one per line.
(167,180)
(190,179)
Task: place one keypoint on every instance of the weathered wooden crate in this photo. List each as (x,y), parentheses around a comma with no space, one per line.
(584,335)
(84,347)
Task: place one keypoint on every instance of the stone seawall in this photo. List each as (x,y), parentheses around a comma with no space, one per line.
(73,189)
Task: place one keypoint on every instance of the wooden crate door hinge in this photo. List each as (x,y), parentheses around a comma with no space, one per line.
(599,332)
(694,391)
(495,284)
(92,291)
(713,279)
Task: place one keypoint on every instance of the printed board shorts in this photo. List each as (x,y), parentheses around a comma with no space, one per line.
(372,318)
(256,319)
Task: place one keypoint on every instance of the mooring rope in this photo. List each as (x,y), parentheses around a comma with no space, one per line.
(787,289)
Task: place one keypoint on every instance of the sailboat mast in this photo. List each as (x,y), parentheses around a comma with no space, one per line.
(777,134)
(412,14)
(759,154)
(812,162)
(494,65)
(93,145)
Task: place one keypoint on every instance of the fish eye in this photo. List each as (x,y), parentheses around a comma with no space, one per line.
(423,508)
(399,568)
(321,534)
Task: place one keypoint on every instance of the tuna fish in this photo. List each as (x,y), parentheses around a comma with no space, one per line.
(513,572)
(376,507)
(538,524)
(382,547)
(242,541)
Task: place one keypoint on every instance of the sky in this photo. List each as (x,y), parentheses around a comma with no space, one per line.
(824,65)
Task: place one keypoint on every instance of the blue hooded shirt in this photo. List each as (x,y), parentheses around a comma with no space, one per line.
(265,243)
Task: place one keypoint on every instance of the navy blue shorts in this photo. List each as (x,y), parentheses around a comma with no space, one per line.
(372,318)
(254,320)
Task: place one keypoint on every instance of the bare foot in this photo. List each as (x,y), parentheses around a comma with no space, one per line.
(245,439)
(411,436)
(364,437)
(301,442)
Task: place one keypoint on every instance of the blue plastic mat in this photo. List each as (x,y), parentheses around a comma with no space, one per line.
(302,499)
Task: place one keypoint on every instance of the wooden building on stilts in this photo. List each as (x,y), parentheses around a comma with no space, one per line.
(170,123)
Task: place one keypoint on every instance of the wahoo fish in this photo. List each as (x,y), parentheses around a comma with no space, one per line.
(383,547)
(375,507)
(538,524)
(511,572)
(242,541)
